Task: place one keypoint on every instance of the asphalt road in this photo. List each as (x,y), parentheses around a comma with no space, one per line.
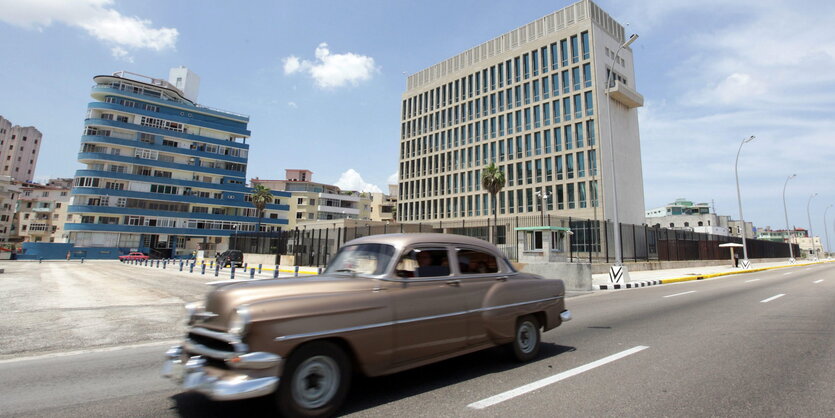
(721,347)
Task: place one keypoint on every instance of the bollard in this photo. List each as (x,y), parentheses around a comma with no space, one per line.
(321,270)
(191,268)
(181,265)
(217,270)
(297,271)
(252,273)
(212,265)
(232,273)
(259,269)
(245,264)
(275,272)
(164,263)
(203,269)
(82,260)
(40,260)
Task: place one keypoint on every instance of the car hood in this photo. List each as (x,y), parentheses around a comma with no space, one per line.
(260,295)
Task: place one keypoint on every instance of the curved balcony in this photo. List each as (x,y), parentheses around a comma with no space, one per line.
(135,229)
(99,92)
(86,157)
(233,188)
(229,199)
(134,143)
(113,210)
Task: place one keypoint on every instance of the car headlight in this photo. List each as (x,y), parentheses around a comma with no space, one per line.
(239,321)
(192,309)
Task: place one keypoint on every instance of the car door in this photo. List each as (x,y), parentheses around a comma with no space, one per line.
(479,271)
(430,314)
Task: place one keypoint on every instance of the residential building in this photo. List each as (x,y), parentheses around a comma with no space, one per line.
(735,229)
(162,173)
(810,247)
(383,206)
(532,101)
(19,149)
(781,235)
(686,215)
(42,210)
(310,201)
(9,192)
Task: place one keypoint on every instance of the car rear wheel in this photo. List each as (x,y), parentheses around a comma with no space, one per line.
(315,381)
(527,339)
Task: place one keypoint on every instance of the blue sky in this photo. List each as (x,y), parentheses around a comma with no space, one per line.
(322,82)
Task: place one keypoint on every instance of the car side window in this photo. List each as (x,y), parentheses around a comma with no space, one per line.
(423,262)
(476,262)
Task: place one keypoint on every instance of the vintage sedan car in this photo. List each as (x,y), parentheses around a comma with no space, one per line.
(385,303)
(133,256)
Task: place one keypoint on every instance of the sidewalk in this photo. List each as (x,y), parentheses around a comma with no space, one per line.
(655,277)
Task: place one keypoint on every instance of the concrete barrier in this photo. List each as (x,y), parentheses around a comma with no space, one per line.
(576,276)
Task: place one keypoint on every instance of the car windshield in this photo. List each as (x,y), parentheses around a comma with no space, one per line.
(370,259)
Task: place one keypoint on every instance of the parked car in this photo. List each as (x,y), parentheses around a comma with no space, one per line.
(231,258)
(133,256)
(386,303)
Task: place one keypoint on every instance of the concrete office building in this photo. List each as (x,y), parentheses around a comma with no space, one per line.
(163,174)
(19,149)
(532,101)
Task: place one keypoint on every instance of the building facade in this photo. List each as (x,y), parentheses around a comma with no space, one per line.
(310,201)
(384,206)
(533,102)
(42,211)
(686,215)
(9,193)
(162,173)
(19,149)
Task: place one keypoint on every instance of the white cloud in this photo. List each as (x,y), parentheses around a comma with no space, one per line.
(96,17)
(394,178)
(333,70)
(352,180)
(292,105)
(121,54)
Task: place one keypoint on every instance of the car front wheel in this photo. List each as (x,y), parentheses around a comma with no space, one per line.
(315,381)
(527,338)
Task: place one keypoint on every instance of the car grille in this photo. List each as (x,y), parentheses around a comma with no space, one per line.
(212,343)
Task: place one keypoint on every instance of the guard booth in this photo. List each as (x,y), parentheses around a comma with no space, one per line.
(543,244)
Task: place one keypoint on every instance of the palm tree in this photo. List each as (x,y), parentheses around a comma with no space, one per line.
(492,179)
(261,195)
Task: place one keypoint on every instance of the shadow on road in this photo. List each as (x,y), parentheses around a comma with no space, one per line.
(367,393)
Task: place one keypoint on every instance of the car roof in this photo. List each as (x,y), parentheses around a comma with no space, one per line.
(406,240)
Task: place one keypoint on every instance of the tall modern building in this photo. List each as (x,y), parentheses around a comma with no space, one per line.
(532,101)
(19,149)
(162,173)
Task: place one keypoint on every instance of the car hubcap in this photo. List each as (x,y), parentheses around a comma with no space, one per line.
(526,335)
(315,382)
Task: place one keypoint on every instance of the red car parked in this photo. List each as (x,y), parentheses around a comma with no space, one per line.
(133,256)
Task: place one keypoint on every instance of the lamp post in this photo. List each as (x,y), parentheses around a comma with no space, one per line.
(745,262)
(809,218)
(235,235)
(542,198)
(617,272)
(786,212)
(826,231)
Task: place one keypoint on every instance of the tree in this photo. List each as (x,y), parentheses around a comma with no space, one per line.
(492,179)
(261,195)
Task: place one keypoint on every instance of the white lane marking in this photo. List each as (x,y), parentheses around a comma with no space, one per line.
(808,268)
(786,274)
(679,294)
(94,350)
(530,387)
(817,281)
(752,280)
(772,298)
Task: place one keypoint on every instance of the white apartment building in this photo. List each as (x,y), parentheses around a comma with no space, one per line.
(9,192)
(42,211)
(19,149)
(533,102)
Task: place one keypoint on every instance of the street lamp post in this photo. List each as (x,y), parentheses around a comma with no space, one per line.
(826,231)
(786,212)
(543,197)
(811,234)
(745,263)
(618,272)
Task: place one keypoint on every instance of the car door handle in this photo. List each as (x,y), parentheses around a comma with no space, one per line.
(501,279)
(455,283)
(378,289)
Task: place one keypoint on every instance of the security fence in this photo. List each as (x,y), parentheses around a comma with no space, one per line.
(590,240)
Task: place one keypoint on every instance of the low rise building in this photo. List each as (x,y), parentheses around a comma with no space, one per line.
(686,215)
(42,210)
(9,192)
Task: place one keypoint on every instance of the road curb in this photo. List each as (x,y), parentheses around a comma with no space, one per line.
(645,283)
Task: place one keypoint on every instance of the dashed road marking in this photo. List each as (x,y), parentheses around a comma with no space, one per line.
(679,294)
(530,387)
(752,280)
(817,281)
(772,298)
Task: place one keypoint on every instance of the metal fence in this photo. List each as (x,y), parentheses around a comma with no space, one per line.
(590,240)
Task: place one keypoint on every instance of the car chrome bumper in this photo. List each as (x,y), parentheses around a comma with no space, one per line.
(191,372)
(565,315)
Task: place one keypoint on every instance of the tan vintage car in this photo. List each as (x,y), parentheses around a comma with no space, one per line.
(385,303)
